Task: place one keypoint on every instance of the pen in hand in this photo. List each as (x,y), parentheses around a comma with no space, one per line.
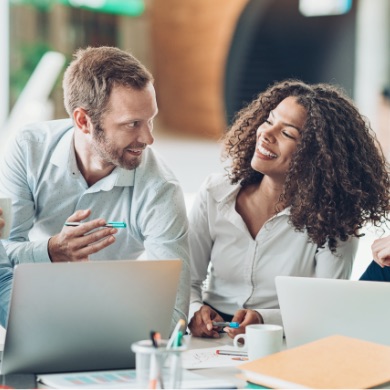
(113,224)
(234,325)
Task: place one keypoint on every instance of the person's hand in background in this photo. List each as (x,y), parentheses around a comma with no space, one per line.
(381,251)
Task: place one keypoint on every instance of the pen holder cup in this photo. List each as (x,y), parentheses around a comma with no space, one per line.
(158,368)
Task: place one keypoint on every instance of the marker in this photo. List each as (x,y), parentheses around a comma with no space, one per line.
(155,368)
(156,338)
(228,324)
(175,334)
(177,342)
(231,353)
(113,224)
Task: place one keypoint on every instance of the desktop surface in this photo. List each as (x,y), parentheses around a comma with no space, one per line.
(228,373)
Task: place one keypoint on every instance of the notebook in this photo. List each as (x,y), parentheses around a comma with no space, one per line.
(334,362)
(84,316)
(313,308)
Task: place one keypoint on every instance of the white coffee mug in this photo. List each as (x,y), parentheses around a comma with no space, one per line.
(6,206)
(260,340)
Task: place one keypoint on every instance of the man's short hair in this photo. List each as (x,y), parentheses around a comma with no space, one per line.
(93,73)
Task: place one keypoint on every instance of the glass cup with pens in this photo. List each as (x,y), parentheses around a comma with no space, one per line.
(158,362)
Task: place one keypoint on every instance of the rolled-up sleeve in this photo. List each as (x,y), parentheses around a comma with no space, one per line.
(15,174)
(6,277)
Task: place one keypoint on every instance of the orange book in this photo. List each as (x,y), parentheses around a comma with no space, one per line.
(330,363)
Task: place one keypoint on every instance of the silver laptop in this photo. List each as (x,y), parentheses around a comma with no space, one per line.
(85,316)
(313,308)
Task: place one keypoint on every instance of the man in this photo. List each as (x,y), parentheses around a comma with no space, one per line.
(5,278)
(96,168)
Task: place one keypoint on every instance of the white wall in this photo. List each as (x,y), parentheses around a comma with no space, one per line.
(372,55)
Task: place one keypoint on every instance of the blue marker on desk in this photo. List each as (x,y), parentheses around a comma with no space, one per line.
(234,325)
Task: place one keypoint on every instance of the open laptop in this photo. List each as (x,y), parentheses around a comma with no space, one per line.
(85,316)
(313,308)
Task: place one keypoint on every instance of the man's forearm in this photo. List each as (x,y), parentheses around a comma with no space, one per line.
(6,277)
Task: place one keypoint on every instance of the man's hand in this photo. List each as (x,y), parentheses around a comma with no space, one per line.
(78,242)
(381,251)
(244,317)
(201,324)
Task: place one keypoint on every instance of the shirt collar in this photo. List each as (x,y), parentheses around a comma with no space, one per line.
(223,190)
(64,157)
(62,151)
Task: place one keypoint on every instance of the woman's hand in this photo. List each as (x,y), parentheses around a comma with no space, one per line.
(381,251)
(244,317)
(201,324)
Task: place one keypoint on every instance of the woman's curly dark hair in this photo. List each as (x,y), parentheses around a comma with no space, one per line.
(338,178)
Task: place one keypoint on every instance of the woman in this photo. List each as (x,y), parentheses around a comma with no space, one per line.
(305,174)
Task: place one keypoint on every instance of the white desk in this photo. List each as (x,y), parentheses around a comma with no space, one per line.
(228,373)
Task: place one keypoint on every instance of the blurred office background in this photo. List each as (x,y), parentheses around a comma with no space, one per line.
(209,58)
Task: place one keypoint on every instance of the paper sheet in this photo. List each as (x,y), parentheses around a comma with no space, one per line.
(97,380)
(124,379)
(208,358)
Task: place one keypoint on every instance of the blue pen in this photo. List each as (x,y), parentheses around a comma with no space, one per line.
(113,224)
(228,324)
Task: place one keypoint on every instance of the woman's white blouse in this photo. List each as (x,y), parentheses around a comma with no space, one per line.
(230,270)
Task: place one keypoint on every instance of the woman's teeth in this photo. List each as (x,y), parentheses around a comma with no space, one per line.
(266,152)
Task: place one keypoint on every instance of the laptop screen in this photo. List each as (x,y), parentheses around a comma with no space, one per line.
(313,308)
(85,315)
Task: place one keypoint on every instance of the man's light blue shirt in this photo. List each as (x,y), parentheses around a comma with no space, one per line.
(6,274)
(39,172)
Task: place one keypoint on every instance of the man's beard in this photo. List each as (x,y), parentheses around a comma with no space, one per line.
(110,154)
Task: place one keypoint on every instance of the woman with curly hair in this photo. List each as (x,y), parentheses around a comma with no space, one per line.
(305,174)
